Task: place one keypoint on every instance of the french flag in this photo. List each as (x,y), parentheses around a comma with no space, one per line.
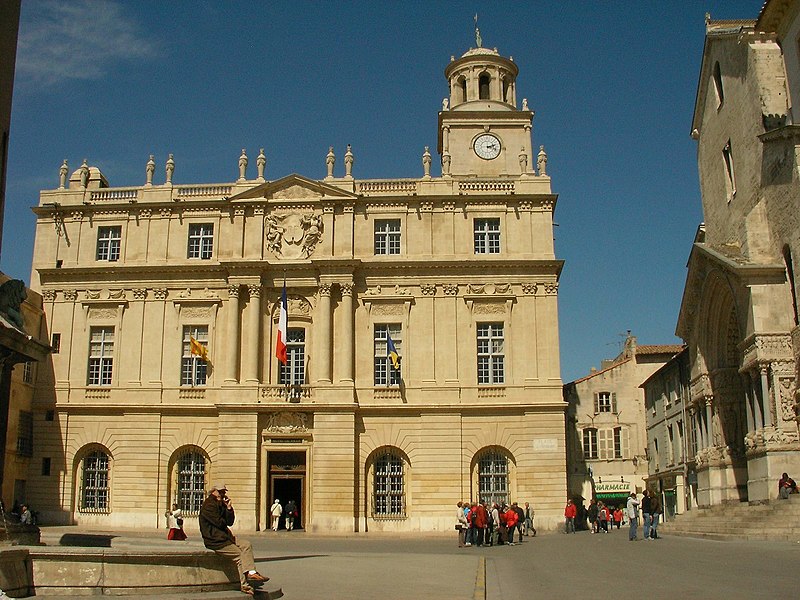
(280,344)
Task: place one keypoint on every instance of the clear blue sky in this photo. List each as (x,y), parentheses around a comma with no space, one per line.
(612,83)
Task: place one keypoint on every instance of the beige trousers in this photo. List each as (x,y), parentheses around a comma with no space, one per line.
(242,554)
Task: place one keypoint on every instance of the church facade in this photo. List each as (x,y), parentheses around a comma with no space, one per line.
(163,304)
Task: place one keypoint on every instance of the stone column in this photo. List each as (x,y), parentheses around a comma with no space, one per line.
(709,424)
(233,346)
(766,400)
(748,402)
(348,337)
(324,347)
(758,415)
(252,349)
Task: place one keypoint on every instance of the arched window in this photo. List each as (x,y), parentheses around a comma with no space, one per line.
(506,90)
(94,493)
(787,259)
(191,482)
(493,477)
(483,86)
(388,486)
(461,87)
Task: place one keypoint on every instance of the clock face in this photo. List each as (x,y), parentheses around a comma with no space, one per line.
(487,146)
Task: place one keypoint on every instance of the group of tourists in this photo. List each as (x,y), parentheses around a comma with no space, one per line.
(479,524)
(603,517)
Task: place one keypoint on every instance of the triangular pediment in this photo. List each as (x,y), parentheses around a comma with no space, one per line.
(294,187)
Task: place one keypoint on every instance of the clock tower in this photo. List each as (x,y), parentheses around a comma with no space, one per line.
(481,131)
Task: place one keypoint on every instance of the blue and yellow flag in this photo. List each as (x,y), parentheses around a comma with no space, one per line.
(391,352)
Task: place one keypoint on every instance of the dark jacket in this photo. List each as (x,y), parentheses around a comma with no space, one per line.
(520,514)
(215,519)
(646,505)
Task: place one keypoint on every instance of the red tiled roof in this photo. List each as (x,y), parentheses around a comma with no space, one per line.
(660,349)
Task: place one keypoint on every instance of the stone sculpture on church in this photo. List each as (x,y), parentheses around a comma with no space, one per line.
(293,235)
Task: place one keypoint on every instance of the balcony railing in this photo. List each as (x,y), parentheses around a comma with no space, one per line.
(194,191)
(369,188)
(114,195)
(290,393)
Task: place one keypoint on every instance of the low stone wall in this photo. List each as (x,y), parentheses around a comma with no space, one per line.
(111,571)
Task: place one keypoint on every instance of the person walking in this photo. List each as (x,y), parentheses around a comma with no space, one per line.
(569,517)
(175,524)
(529,514)
(216,517)
(646,513)
(632,508)
(592,512)
(602,516)
(276,510)
(291,513)
(520,519)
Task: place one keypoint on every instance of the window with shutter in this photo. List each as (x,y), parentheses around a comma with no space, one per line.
(606,444)
(614,402)
(596,403)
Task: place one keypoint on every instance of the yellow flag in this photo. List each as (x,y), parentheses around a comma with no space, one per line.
(198,349)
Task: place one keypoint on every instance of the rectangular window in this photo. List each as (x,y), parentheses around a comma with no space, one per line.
(730,176)
(491,354)
(605,444)
(487,236)
(605,402)
(25,433)
(384,372)
(101,355)
(387,236)
(46,466)
(56,343)
(294,371)
(94,484)
(109,240)
(27,372)
(194,369)
(621,442)
(201,240)
(590,443)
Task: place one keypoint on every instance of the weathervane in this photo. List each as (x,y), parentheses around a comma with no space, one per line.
(478,41)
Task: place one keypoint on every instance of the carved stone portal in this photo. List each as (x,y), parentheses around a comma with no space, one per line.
(293,235)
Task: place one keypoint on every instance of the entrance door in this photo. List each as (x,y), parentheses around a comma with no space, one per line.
(285,488)
(287,475)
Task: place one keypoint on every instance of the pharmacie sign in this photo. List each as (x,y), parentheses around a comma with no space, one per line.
(612,488)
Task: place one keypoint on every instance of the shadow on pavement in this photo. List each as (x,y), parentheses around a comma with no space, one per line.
(86,540)
(294,557)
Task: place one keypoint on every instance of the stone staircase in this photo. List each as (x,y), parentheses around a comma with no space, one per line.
(777,520)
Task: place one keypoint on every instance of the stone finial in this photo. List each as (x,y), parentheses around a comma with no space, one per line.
(243,165)
(330,160)
(150,169)
(170,169)
(524,104)
(523,160)
(445,104)
(446,164)
(84,173)
(261,163)
(62,175)
(348,162)
(541,161)
(426,163)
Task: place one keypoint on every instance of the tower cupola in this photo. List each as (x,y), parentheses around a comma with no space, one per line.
(482,75)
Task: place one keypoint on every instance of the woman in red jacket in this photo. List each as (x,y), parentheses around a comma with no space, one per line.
(511,522)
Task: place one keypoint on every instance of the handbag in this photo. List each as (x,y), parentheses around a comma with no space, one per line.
(459,526)
(179,521)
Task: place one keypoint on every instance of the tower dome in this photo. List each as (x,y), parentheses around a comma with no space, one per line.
(482,75)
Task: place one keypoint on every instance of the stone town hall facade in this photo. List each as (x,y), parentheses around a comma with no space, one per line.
(459,270)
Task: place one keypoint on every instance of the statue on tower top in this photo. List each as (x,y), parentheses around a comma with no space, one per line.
(478,40)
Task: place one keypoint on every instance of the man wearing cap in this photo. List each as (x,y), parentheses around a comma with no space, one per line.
(216,516)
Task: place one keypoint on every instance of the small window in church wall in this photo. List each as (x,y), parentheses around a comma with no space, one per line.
(730,175)
(487,236)
(109,240)
(718,90)
(387,236)
(201,240)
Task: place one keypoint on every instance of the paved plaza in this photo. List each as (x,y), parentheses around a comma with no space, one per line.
(551,566)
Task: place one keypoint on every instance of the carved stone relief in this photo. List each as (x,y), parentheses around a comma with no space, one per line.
(428,289)
(98,312)
(196,312)
(387,309)
(288,422)
(489,308)
(293,235)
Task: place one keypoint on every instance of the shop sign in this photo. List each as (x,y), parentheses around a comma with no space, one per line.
(619,487)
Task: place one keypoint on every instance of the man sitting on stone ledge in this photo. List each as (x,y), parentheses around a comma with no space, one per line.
(216,516)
